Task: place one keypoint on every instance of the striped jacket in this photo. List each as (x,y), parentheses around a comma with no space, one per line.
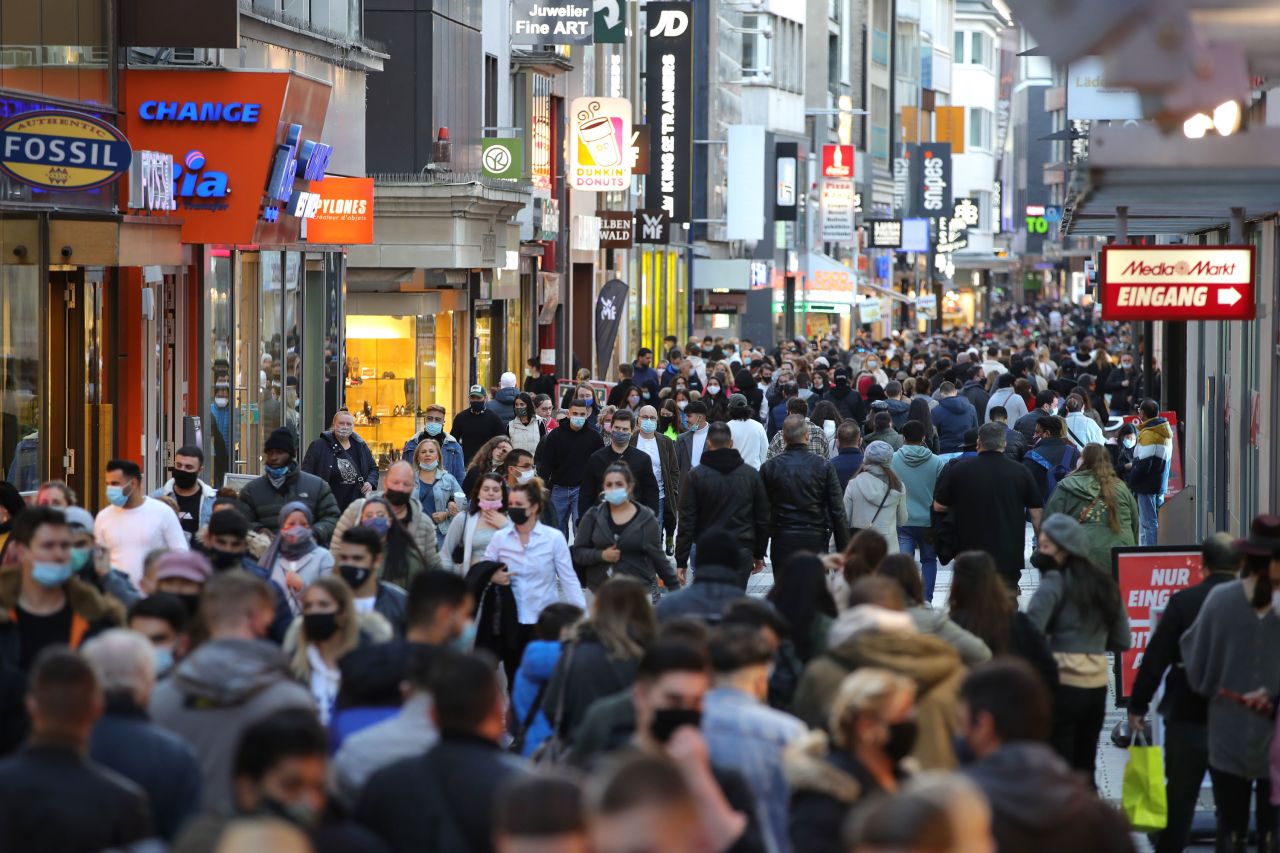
(1151,458)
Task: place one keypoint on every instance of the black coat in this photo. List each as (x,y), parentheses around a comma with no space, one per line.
(52,798)
(823,790)
(321,459)
(646,488)
(393,603)
(497,620)
(848,402)
(584,673)
(155,759)
(640,543)
(265,502)
(804,495)
(562,456)
(713,589)
(724,492)
(440,801)
(472,430)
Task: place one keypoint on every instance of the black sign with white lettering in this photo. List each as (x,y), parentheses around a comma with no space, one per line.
(551,21)
(616,227)
(932,171)
(653,226)
(884,233)
(669,106)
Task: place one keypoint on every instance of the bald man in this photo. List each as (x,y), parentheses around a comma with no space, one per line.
(397,489)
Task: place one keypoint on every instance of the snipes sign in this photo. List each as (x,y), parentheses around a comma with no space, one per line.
(1178,283)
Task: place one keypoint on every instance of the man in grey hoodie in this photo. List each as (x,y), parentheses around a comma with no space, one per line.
(229,683)
(918,468)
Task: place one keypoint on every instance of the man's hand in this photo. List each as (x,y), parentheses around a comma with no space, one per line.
(687,747)
(501,577)
(365,488)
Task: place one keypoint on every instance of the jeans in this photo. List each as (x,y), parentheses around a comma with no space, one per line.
(910,538)
(1186,757)
(1078,715)
(565,501)
(1148,518)
(1231,794)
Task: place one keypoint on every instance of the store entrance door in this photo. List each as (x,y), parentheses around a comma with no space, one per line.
(80,423)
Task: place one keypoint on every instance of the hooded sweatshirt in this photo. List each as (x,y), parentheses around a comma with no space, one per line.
(951,418)
(1150,474)
(217,692)
(870,502)
(918,468)
(898,409)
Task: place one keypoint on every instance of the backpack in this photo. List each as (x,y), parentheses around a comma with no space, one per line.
(1054,473)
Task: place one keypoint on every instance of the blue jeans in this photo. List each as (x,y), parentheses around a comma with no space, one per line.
(564,500)
(911,538)
(1148,518)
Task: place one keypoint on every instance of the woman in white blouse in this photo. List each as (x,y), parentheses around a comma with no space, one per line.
(535,557)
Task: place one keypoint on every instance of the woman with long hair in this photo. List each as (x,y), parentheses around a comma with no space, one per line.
(437,490)
(903,569)
(859,559)
(294,559)
(525,430)
(404,558)
(620,537)
(489,457)
(470,535)
(875,497)
(827,416)
(749,388)
(1100,501)
(670,419)
(601,658)
(716,397)
(980,603)
(1078,607)
(920,409)
(800,595)
(327,629)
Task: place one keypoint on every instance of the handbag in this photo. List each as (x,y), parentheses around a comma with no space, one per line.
(1144,798)
(555,748)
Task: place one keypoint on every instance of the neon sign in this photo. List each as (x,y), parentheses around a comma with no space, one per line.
(234,112)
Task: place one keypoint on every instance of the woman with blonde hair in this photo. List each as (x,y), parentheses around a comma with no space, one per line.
(873,729)
(437,491)
(1100,502)
(328,628)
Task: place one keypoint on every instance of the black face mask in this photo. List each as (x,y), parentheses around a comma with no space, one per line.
(396,498)
(667,720)
(477,406)
(319,626)
(191,601)
(294,813)
(1043,561)
(902,739)
(355,576)
(518,514)
(184,479)
(223,560)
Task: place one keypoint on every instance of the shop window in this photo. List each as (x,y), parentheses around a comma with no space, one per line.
(20,323)
(381,382)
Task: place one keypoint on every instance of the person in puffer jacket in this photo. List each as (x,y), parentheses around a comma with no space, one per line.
(952,416)
(1149,477)
(504,399)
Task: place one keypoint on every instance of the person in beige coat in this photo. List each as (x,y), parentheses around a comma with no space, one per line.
(876,497)
(397,490)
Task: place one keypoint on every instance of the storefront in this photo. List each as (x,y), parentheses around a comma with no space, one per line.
(658,295)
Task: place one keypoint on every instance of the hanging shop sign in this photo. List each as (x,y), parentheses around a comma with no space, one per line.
(62,150)
(837,161)
(932,166)
(927,306)
(151,181)
(653,226)
(967,211)
(640,137)
(901,178)
(502,158)
(1147,576)
(599,139)
(550,218)
(869,310)
(669,106)
(837,210)
(551,21)
(884,233)
(617,229)
(344,215)
(610,21)
(786,182)
(1178,283)
(245,145)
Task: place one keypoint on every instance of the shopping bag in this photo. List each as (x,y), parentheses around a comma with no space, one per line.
(1143,798)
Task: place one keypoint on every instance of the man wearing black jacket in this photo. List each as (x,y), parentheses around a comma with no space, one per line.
(845,398)
(806,507)
(562,462)
(476,424)
(619,449)
(727,493)
(1185,712)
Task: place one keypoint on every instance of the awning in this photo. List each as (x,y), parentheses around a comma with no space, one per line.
(1171,184)
(868,288)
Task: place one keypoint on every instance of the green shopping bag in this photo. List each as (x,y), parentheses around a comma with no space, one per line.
(1143,799)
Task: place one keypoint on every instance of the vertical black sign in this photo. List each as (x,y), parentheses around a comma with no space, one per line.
(786,182)
(669,106)
(932,169)
(611,304)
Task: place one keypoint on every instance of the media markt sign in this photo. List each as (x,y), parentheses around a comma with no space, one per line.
(501,158)
(599,144)
(1178,283)
(551,21)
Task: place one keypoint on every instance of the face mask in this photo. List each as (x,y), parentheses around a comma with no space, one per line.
(396,498)
(320,626)
(221,402)
(1126,365)
(466,641)
(902,739)
(682,404)
(184,479)
(918,368)
(490,504)
(344,432)
(615,496)
(80,558)
(477,406)
(713,389)
(667,720)
(355,576)
(587,401)
(522,413)
(526,476)
(51,575)
(577,423)
(117,496)
(1043,561)
(191,601)
(296,535)
(378,524)
(644,394)
(619,437)
(434,428)
(518,514)
(278,472)
(428,466)
(648,425)
(633,400)
(1129,442)
(164,661)
(223,560)
(297,814)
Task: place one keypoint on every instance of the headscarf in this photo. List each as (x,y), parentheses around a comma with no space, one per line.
(289,550)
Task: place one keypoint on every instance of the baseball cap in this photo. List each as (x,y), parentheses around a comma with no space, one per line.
(188,565)
(476,391)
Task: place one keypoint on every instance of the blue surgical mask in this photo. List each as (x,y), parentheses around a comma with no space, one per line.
(51,575)
(648,424)
(276,472)
(378,525)
(588,401)
(615,496)
(80,557)
(428,466)
(465,641)
(117,496)
(164,661)
(434,428)
(577,423)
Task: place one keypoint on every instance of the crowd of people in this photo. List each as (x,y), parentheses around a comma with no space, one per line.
(533,632)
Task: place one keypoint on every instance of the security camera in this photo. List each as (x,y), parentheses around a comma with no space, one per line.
(66,252)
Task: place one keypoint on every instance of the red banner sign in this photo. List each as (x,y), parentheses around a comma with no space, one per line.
(1147,576)
(344,215)
(1178,283)
(837,161)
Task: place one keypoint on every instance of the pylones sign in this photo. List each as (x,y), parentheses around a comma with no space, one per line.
(599,144)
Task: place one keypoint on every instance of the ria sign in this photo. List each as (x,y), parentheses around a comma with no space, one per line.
(1178,283)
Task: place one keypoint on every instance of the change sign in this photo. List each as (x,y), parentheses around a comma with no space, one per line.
(1177,283)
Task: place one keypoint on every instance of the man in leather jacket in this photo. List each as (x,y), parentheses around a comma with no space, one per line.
(804,496)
